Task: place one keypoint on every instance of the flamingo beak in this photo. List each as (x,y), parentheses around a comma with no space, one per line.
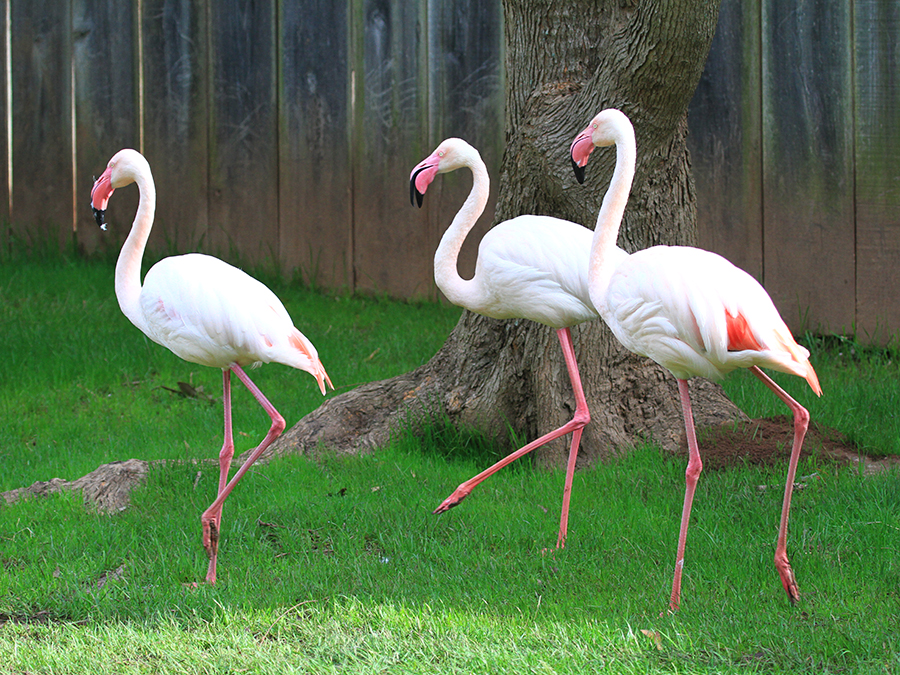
(421,178)
(579,151)
(100,194)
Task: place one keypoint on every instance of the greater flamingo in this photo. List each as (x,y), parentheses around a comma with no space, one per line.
(692,312)
(207,312)
(529,267)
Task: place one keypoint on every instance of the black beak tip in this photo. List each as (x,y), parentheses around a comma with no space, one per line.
(579,172)
(415,197)
(99,216)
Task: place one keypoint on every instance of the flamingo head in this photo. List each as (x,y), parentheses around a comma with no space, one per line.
(452,154)
(122,170)
(604,130)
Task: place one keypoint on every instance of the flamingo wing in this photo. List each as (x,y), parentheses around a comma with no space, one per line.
(208,312)
(696,314)
(536,267)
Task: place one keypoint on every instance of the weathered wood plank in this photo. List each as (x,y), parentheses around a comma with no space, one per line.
(42,205)
(807,163)
(726,140)
(315,179)
(877,160)
(243,170)
(389,84)
(466,100)
(106,112)
(176,116)
(4,143)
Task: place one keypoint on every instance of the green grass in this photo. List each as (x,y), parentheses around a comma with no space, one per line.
(339,566)
(861,392)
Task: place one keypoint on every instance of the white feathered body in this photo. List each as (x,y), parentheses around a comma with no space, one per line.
(535,267)
(696,314)
(209,312)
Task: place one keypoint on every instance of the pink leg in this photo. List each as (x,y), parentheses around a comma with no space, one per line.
(694,467)
(213,513)
(225,457)
(575,425)
(581,413)
(801,423)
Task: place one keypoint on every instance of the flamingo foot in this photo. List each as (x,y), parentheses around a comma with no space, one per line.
(783,565)
(453,500)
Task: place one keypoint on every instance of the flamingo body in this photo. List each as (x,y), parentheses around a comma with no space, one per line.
(692,312)
(696,314)
(535,267)
(207,312)
(528,267)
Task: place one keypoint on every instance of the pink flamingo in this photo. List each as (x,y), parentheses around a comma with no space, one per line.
(692,312)
(207,312)
(529,267)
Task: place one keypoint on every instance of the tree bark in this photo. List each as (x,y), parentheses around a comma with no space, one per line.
(566,61)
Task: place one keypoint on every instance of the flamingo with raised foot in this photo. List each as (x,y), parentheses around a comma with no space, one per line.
(207,312)
(528,267)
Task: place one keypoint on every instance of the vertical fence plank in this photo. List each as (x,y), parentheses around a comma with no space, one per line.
(877,90)
(465,39)
(807,163)
(315,207)
(4,140)
(42,122)
(726,140)
(243,200)
(104,53)
(390,126)
(175,95)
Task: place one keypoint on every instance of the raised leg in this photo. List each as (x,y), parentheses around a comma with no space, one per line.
(801,424)
(694,467)
(210,517)
(575,425)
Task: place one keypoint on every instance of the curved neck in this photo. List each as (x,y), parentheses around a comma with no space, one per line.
(459,291)
(606,232)
(128,266)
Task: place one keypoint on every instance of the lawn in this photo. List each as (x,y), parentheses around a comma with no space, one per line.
(339,566)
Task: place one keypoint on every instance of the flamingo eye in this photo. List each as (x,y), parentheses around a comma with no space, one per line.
(595,125)
(440,153)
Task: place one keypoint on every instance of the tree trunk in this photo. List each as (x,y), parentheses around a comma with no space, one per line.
(566,61)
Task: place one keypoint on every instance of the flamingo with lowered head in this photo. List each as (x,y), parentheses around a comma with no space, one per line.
(207,312)
(528,267)
(692,312)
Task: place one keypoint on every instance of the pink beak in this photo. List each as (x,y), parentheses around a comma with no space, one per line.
(100,194)
(580,150)
(421,177)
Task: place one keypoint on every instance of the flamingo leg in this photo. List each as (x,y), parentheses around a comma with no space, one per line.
(694,467)
(575,425)
(801,424)
(210,517)
(225,457)
(581,413)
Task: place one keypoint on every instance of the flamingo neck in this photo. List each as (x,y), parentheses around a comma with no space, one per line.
(461,291)
(128,266)
(606,231)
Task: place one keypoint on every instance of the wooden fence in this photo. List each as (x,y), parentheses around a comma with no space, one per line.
(283,133)
(796,154)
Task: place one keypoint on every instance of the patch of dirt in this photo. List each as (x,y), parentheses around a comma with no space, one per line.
(767,441)
(107,488)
